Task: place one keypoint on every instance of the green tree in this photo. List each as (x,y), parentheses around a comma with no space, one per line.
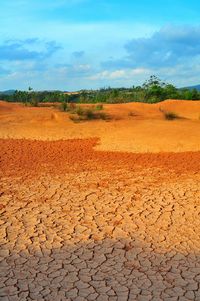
(154,89)
(171,91)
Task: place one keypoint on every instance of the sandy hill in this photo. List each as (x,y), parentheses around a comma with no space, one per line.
(134,127)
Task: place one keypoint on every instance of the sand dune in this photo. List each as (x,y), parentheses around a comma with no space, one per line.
(146,130)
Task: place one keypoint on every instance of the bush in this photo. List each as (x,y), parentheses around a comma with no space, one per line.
(171,115)
(89,114)
(74,118)
(84,114)
(34,103)
(68,107)
(103,116)
(72,107)
(99,107)
(64,106)
(27,104)
(79,111)
(132,114)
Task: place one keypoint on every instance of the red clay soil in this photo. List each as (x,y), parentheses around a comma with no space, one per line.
(16,156)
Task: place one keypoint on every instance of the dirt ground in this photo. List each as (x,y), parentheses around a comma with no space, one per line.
(145,131)
(100,210)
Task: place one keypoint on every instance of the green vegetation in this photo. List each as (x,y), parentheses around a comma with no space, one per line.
(39,96)
(99,107)
(64,106)
(86,113)
(34,102)
(152,91)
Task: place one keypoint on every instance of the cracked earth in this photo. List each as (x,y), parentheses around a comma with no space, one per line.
(79,224)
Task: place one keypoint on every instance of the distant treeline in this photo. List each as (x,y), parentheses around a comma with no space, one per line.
(152,91)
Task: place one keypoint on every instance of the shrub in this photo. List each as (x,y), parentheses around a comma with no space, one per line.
(68,107)
(64,106)
(74,118)
(27,104)
(72,105)
(84,114)
(34,103)
(171,115)
(89,114)
(103,116)
(132,114)
(79,111)
(99,107)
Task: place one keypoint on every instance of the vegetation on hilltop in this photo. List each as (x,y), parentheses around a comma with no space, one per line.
(152,91)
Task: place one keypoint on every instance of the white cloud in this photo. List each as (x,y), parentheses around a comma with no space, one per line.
(119,74)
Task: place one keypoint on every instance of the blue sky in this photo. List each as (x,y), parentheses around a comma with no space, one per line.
(76,44)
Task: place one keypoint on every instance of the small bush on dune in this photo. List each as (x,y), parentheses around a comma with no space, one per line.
(84,114)
(132,114)
(72,106)
(32,103)
(79,111)
(171,115)
(75,119)
(27,104)
(89,114)
(103,116)
(64,106)
(68,107)
(99,107)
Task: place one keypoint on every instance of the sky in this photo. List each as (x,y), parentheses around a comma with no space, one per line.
(87,44)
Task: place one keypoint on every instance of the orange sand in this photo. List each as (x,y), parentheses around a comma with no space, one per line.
(147,131)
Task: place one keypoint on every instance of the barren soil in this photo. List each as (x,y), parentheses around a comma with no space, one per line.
(100,210)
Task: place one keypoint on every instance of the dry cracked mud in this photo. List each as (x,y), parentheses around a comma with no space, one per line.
(79,224)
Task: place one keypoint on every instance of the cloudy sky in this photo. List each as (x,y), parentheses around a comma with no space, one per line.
(76,44)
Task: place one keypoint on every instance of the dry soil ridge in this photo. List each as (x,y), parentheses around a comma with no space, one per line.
(145,131)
